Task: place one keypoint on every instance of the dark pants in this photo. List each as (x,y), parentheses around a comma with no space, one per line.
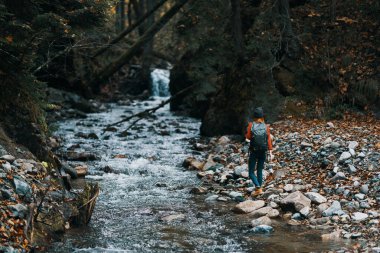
(256,163)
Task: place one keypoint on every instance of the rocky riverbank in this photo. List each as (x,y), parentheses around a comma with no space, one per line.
(40,200)
(326,176)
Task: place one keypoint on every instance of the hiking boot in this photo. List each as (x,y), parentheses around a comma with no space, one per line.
(257,192)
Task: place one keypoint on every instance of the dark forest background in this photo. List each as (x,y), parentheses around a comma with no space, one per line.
(316,59)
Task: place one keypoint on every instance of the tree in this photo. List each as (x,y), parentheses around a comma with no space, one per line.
(112,68)
(237,33)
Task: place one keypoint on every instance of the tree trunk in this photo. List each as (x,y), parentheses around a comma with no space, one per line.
(236,27)
(122,15)
(148,49)
(289,43)
(127,31)
(112,68)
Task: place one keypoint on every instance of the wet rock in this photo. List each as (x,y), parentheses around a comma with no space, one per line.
(364,189)
(261,212)
(261,221)
(339,176)
(248,206)
(108,169)
(110,129)
(81,156)
(344,156)
(18,210)
(81,170)
(334,209)
(235,195)
(223,199)
(320,221)
(316,198)
(293,222)
(296,216)
(262,229)
(358,216)
(173,217)
(212,198)
(330,124)
(198,190)
(87,135)
(295,201)
(161,185)
(336,235)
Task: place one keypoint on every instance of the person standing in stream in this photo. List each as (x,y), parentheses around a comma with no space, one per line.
(258,134)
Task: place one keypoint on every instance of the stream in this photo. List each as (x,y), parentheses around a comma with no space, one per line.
(147,183)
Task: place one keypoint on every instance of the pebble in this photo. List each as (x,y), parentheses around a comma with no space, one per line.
(316,197)
(351,169)
(339,176)
(353,144)
(358,216)
(344,156)
(6,167)
(305,211)
(288,187)
(297,216)
(8,158)
(18,210)
(360,196)
(335,208)
(364,189)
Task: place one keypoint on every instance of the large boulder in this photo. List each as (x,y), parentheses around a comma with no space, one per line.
(261,212)
(295,201)
(248,206)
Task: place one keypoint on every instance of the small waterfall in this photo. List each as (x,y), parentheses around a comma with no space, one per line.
(160,82)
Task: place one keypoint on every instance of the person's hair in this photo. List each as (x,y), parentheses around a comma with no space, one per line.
(258,120)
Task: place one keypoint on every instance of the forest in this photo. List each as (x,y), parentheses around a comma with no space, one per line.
(133,126)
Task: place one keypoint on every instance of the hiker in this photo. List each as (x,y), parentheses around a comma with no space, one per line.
(260,142)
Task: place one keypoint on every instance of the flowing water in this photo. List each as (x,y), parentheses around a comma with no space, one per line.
(149,183)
